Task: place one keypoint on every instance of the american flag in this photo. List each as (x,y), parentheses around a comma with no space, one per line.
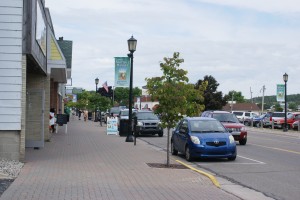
(105,86)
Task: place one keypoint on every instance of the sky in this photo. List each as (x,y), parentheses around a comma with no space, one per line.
(243,44)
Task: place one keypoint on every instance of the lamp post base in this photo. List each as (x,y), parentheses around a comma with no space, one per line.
(129,138)
(285,130)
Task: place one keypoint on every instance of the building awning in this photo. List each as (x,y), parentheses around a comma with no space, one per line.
(56,62)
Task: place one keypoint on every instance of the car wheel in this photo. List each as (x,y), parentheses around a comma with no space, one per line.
(173,150)
(232,158)
(160,134)
(188,156)
(247,123)
(257,124)
(243,141)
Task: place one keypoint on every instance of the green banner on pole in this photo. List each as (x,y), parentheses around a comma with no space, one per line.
(280,92)
(122,71)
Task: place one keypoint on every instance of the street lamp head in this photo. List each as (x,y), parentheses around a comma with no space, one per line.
(132,44)
(97,81)
(285,77)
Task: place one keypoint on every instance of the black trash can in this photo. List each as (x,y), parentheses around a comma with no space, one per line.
(123,131)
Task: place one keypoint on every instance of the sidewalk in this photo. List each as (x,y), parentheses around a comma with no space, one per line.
(87,164)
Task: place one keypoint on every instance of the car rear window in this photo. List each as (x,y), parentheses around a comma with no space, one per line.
(146,116)
(238,113)
(278,114)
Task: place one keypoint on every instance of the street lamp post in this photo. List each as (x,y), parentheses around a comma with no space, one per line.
(96,82)
(285,79)
(131,47)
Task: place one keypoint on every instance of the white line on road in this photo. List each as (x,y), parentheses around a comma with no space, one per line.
(252,160)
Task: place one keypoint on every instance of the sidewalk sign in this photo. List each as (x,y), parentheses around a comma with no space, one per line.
(62,119)
(112,127)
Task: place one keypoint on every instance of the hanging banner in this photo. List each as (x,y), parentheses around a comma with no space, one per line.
(280,92)
(122,71)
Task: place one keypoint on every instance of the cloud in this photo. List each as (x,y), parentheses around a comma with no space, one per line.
(242,44)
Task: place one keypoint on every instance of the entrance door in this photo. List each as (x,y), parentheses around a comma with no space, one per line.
(35,118)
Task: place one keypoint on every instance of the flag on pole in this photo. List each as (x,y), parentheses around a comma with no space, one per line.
(105,86)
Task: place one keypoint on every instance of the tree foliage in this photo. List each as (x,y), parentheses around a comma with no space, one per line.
(235,96)
(121,95)
(175,95)
(213,100)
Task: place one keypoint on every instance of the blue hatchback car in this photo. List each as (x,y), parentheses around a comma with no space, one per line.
(202,137)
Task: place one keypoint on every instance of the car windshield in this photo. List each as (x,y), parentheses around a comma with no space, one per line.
(206,126)
(278,114)
(290,116)
(126,112)
(115,110)
(226,117)
(238,113)
(146,116)
(262,116)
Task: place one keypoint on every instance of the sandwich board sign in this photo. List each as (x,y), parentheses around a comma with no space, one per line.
(112,126)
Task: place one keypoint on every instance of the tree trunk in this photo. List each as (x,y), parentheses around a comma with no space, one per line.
(168,148)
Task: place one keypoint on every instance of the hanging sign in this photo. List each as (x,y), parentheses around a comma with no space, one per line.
(280,92)
(122,71)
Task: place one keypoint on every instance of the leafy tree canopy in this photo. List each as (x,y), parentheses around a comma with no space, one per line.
(176,97)
(235,96)
(213,100)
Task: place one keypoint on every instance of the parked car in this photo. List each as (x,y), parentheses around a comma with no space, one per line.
(273,117)
(261,120)
(291,118)
(245,117)
(147,123)
(202,137)
(230,121)
(124,115)
(295,125)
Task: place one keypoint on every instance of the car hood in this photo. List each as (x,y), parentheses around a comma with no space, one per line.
(212,136)
(232,125)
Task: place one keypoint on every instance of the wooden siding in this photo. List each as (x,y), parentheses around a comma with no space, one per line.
(55,54)
(11,16)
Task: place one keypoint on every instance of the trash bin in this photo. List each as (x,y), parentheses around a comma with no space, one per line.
(124,124)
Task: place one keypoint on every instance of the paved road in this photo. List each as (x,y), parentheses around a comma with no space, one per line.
(269,163)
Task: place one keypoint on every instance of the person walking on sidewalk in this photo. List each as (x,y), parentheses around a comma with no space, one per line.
(85,115)
(79,114)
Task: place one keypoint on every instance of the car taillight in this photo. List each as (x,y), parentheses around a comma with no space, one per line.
(270,118)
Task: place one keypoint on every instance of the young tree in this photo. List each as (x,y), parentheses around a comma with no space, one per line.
(213,100)
(176,97)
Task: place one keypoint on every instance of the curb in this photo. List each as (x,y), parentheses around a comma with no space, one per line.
(211,177)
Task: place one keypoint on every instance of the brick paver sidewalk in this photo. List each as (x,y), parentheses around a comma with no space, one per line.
(86,163)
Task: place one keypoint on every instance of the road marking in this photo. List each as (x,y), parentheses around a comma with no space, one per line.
(211,177)
(285,150)
(251,159)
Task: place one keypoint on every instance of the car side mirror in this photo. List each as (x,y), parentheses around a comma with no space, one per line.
(182,131)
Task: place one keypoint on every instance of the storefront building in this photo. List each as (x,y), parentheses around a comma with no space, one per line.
(32,70)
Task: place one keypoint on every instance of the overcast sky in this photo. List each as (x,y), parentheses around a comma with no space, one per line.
(240,43)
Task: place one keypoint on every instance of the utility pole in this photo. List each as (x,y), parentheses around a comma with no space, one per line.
(251,95)
(263,99)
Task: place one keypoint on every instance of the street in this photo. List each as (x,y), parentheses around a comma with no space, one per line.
(268,163)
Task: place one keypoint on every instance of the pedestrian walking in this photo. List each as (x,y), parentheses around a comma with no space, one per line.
(52,120)
(79,114)
(100,118)
(85,115)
